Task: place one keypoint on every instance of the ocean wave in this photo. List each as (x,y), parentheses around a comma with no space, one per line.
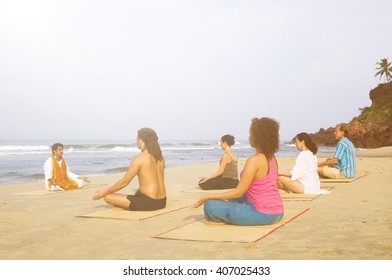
(124,149)
(36,176)
(197,144)
(241,147)
(111,146)
(14,174)
(290,145)
(10,174)
(16,153)
(77,146)
(12,148)
(166,144)
(187,148)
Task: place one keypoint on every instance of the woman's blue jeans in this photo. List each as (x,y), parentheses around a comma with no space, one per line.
(237,212)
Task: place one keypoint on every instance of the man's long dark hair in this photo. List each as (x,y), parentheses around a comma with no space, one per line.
(150,139)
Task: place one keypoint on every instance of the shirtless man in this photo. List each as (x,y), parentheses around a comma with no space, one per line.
(149,166)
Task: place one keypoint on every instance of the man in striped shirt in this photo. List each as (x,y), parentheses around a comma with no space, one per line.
(343,163)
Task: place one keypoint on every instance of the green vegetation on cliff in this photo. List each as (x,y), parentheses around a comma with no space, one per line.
(380,112)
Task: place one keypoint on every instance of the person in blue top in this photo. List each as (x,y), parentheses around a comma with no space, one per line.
(343,163)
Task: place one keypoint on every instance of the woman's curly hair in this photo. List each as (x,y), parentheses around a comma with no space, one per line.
(265,132)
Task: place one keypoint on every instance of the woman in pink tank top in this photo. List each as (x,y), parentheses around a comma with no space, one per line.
(256,199)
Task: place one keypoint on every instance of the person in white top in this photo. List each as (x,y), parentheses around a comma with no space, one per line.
(303,178)
(57,175)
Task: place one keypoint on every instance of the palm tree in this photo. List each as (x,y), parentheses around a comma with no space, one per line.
(384,68)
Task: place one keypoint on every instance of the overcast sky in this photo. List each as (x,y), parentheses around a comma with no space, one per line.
(189,69)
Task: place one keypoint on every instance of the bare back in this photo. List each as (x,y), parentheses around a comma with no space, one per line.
(262,163)
(151,176)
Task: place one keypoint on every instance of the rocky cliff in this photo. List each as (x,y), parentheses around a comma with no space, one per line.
(372,128)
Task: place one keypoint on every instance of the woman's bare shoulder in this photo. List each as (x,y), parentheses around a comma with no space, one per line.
(226,156)
(257,158)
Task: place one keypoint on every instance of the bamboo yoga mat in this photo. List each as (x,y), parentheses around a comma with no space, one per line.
(199,231)
(359,176)
(121,214)
(305,197)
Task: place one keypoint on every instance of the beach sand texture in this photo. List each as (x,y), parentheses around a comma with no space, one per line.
(354,221)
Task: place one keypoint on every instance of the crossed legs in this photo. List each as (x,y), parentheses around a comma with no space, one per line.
(118,200)
(293,186)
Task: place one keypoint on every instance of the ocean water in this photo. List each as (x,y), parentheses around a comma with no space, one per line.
(23,160)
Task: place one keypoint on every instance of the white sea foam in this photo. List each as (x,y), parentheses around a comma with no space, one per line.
(23,150)
(123,149)
(187,148)
(6,148)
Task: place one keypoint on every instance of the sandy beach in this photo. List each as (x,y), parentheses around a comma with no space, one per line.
(353,222)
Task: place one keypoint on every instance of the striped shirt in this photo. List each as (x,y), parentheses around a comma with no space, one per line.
(345,153)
